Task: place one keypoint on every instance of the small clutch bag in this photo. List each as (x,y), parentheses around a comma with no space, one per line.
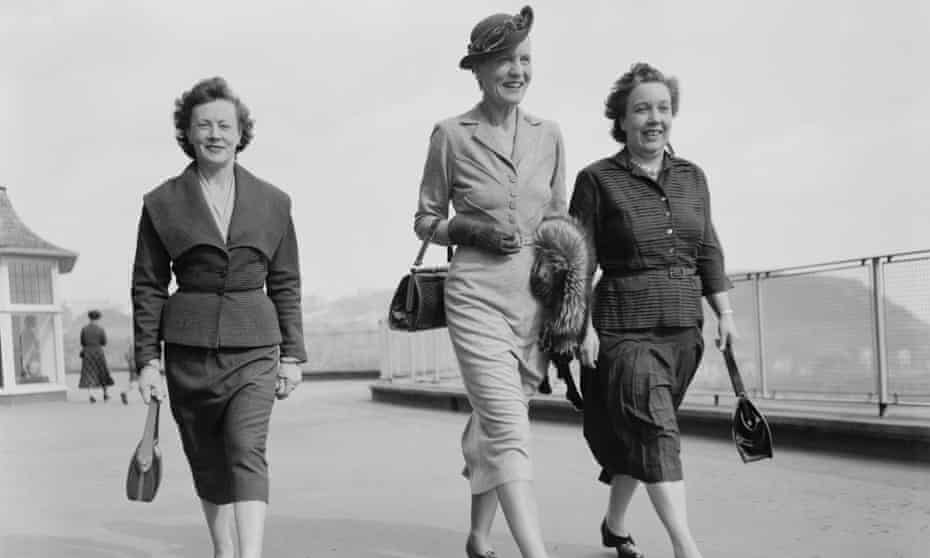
(145,466)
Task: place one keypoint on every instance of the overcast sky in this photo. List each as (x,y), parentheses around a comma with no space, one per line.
(811,119)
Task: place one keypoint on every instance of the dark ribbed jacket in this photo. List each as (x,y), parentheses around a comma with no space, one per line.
(241,292)
(654,241)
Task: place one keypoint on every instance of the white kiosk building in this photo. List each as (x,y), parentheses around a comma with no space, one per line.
(32,364)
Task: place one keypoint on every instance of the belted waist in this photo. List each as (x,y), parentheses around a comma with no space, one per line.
(673,272)
(219,282)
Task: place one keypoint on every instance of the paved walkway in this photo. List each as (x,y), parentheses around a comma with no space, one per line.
(357,479)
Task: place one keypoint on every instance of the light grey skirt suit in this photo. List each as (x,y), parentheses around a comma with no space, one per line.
(493,318)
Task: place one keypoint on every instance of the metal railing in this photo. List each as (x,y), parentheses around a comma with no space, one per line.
(853,330)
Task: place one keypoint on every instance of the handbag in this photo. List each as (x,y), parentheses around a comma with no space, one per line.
(751,432)
(145,466)
(418,302)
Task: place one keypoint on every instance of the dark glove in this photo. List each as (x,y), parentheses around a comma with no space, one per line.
(468,231)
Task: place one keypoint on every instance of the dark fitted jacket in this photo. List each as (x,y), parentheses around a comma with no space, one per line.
(241,292)
(654,240)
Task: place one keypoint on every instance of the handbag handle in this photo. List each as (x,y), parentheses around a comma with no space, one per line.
(735,379)
(429,237)
(145,455)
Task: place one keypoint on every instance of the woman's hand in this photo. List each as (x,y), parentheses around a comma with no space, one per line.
(726,330)
(150,384)
(590,347)
(289,376)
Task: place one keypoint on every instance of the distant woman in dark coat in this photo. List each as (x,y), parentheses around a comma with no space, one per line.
(94,369)
(647,215)
(232,331)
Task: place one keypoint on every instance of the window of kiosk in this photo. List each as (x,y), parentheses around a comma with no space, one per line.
(33,348)
(30,281)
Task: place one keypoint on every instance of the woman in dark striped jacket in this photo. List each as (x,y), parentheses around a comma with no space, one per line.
(646,213)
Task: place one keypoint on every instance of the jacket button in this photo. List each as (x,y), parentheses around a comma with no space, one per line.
(513,205)
(512,178)
(669,231)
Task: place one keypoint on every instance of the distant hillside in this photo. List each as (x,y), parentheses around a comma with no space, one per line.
(361,311)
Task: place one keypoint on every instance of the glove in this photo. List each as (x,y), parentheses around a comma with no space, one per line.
(150,382)
(289,376)
(468,231)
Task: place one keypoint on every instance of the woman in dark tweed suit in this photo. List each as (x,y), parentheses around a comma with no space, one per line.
(94,369)
(647,214)
(232,331)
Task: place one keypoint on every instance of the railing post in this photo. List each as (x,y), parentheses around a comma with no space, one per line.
(878,330)
(760,333)
(434,336)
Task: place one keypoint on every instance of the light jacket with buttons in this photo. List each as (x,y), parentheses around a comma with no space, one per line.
(468,168)
(240,292)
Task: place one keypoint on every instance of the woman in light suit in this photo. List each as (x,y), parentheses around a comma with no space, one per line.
(232,332)
(502,170)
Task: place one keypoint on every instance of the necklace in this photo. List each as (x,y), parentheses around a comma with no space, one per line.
(651,171)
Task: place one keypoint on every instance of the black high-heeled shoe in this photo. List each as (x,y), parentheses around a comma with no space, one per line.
(626,547)
(470,553)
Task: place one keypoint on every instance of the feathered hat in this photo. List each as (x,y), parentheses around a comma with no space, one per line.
(561,280)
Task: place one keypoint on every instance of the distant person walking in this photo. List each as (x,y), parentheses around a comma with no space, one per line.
(94,369)
(232,331)
(502,170)
(647,214)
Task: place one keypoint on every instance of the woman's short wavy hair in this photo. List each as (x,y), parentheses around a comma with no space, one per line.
(615,105)
(205,91)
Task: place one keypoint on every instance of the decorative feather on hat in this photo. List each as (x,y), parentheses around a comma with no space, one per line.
(560,279)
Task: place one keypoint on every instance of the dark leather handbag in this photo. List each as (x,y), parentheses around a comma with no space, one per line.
(418,302)
(751,432)
(145,466)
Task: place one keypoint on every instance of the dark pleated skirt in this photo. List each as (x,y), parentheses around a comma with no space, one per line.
(94,369)
(632,398)
(222,401)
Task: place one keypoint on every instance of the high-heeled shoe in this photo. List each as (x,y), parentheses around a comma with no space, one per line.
(93,399)
(626,547)
(470,553)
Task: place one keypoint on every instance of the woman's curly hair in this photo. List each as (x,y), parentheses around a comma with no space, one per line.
(205,91)
(615,105)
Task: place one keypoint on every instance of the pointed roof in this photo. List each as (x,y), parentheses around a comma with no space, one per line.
(17,239)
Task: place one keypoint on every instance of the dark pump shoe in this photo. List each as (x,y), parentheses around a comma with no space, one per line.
(625,546)
(469,553)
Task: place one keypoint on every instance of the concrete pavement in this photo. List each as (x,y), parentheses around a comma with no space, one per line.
(903,433)
(360,479)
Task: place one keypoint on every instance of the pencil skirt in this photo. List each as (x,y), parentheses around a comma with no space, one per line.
(221,401)
(493,324)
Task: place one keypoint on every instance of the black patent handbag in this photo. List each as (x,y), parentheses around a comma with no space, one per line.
(144,475)
(418,302)
(751,432)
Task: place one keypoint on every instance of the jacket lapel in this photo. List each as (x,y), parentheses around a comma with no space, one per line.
(482,134)
(528,135)
(198,212)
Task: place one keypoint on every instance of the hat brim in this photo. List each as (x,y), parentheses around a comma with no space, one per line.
(469,61)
